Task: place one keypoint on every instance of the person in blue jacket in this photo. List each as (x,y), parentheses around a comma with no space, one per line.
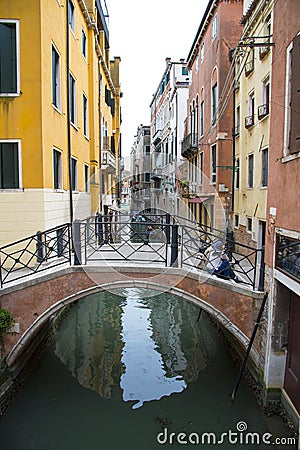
(224,270)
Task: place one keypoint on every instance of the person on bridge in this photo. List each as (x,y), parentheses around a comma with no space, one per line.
(213,254)
(225,270)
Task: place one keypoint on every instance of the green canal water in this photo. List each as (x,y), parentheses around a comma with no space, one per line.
(135,370)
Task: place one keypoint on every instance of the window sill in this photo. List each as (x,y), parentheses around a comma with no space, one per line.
(10,94)
(291,157)
(74,126)
(59,190)
(13,190)
(56,109)
(263,188)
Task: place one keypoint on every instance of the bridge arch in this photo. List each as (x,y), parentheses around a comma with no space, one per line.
(33,328)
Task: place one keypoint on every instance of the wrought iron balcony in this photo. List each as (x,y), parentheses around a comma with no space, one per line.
(249,121)
(263,111)
(157,137)
(249,67)
(156,173)
(189,145)
(108,161)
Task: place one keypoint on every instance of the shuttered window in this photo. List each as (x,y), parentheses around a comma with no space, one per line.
(294,135)
(9,165)
(8,58)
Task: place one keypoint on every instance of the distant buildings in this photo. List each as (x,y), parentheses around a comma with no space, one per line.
(237,168)
(59,115)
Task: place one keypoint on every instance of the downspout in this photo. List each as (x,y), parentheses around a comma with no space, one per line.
(232,60)
(68,115)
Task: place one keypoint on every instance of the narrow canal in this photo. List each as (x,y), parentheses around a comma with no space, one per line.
(135,370)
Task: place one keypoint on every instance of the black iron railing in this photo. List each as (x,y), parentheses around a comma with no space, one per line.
(42,251)
(145,239)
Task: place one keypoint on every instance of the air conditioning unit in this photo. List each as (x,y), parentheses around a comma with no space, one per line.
(223,188)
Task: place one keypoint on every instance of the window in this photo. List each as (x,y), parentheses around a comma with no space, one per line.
(263,110)
(249,66)
(237,173)
(184,71)
(86,178)
(83,43)
(202,52)
(147,177)
(201,168)
(9,57)
(74,174)
(72,95)
(197,63)
(292,117)
(264,173)
(9,165)
(147,149)
(250,171)
(214,27)
(56,97)
(249,224)
(214,103)
(57,170)
(71,15)
(236,220)
(213,177)
(85,116)
(202,118)
(249,120)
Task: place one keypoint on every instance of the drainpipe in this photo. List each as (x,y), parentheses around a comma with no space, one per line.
(232,60)
(68,114)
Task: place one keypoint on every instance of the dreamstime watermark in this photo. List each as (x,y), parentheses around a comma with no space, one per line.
(240,436)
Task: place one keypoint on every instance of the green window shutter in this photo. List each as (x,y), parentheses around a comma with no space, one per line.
(8,58)
(9,165)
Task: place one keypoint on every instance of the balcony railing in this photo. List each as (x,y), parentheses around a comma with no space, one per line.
(249,121)
(189,145)
(157,137)
(263,51)
(108,161)
(156,173)
(249,67)
(263,111)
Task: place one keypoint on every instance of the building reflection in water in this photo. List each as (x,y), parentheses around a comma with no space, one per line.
(134,344)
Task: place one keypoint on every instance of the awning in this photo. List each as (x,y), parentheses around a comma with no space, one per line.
(200,199)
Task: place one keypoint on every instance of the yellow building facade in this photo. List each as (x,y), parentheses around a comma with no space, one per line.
(252,113)
(56,67)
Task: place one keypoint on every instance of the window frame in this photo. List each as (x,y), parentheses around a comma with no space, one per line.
(214,27)
(85,116)
(72,99)
(57,80)
(19,168)
(71,15)
(213,164)
(214,103)
(74,174)
(264,167)
(59,169)
(86,169)
(17,93)
(84,44)
(250,181)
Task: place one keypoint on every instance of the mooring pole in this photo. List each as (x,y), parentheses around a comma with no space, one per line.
(238,381)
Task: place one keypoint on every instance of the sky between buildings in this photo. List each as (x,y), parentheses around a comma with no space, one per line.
(144,34)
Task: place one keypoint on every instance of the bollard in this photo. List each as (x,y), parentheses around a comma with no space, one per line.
(77,242)
(40,252)
(167,227)
(261,281)
(174,246)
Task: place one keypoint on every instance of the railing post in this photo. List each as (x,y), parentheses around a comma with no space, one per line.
(261,281)
(77,242)
(40,252)
(99,228)
(174,246)
(60,242)
(167,227)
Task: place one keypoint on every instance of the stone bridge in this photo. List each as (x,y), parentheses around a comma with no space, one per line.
(35,301)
